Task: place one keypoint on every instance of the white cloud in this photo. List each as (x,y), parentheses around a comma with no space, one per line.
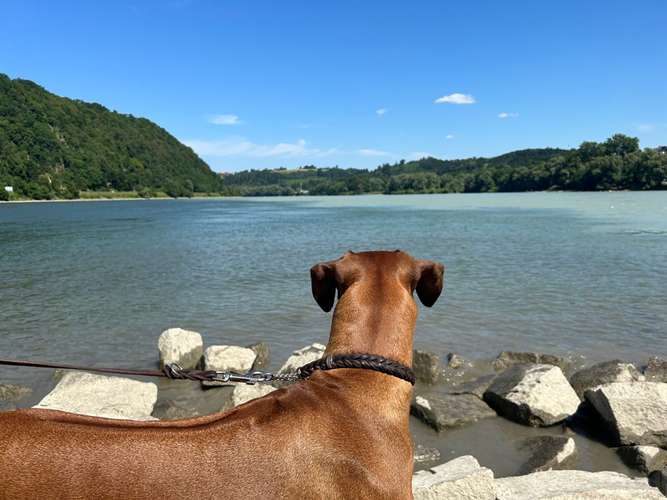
(381,111)
(372,152)
(239,146)
(449,136)
(455,98)
(505,114)
(225,120)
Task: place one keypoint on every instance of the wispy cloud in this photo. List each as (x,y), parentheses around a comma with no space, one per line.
(505,114)
(449,136)
(239,146)
(381,111)
(645,128)
(372,152)
(456,98)
(225,120)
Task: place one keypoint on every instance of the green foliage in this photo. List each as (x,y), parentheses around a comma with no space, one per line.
(617,163)
(53,147)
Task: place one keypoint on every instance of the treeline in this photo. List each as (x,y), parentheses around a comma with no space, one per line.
(618,163)
(54,147)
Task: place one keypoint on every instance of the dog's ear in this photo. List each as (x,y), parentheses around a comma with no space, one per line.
(323,283)
(429,283)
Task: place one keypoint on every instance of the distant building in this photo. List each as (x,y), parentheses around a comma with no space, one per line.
(9,189)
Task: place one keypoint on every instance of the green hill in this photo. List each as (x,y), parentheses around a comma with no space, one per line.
(54,147)
(617,163)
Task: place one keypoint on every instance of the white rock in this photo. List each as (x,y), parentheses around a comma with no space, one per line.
(229,358)
(180,346)
(635,411)
(244,393)
(303,356)
(537,395)
(102,396)
(575,485)
(460,479)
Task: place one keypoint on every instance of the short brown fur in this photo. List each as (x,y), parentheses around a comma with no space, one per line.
(340,434)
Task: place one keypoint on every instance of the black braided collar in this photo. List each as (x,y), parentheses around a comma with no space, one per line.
(364,361)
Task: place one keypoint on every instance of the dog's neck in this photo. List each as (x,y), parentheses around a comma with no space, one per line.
(374,318)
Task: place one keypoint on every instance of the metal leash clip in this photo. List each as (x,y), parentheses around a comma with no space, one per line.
(250,378)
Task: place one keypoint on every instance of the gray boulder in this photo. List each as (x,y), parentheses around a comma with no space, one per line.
(547,452)
(181,347)
(535,395)
(604,373)
(303,356)
(447,411)
(228,358)
(574,485)
(262,352)
(454,361)
(423,454)
(510,358)
(635,412)
(656,370)
(459,479)
(102,396)
(476,387)
(643,458)
(244,393)
(426,366)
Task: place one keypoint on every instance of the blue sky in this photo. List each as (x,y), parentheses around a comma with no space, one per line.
(254,84)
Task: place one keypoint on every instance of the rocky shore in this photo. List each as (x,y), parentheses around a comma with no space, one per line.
(559,402)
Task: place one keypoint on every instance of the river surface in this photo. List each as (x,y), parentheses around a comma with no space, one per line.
(580,274)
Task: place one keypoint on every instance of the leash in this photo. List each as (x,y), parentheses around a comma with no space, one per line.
(175,372)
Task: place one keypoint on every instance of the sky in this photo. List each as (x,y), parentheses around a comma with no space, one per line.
(264,84)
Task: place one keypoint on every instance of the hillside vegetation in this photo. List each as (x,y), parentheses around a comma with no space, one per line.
(54,147)
(617,163)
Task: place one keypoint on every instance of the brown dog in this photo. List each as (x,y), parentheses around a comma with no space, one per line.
(339,434)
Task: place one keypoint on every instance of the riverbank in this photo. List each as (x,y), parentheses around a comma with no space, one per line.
(520,413)
(118,196)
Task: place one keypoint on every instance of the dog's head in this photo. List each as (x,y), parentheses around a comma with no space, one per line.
(423,276)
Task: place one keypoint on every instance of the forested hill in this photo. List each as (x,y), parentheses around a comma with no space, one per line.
(51,146)
(617,163)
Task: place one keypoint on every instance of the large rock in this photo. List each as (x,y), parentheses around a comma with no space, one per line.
(460,479)
(574,485)
(426,366)
(510,358)
(547,452)
(102,396)
(447,411)
(636,412)
(262,352)
(656,370)
(535,395)
(643,458)
(244,392)
(303,356)
(477,387)
(604,373)
(181,347)
(229,358)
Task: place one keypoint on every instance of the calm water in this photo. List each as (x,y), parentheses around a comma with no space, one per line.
(582,273)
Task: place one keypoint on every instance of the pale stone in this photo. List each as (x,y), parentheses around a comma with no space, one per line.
(547,452)
(536,395)
(244,392)
(643,458)
(635,411)
(575,485)
(102,396)
(181,347)
(604,373)
(303,356)
(460,479)
(229,358)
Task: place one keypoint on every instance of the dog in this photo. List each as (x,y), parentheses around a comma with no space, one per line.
(341,433)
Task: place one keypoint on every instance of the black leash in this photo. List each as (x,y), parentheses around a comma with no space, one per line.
(175,372)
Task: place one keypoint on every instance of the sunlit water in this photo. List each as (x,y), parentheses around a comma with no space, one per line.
(563,273)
